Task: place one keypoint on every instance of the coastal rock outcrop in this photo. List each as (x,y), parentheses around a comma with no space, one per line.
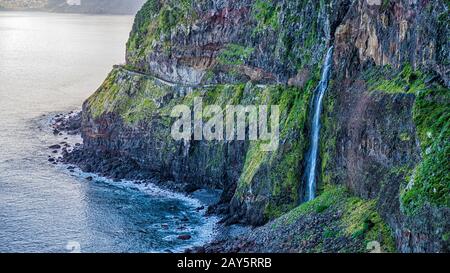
(385,120)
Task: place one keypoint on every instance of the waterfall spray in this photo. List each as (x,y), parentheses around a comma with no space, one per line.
(311,167)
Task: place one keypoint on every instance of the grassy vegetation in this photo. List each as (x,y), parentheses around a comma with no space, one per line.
(234,54)
(266,13)
(299,45)
(279,170)
(331,196)
(134,98)
(359,218)
(104,99)
(327,140)
(407,81)
(143,29)
(157,19)
(430,184)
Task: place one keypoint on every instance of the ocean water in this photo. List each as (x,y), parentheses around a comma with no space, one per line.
(50,63)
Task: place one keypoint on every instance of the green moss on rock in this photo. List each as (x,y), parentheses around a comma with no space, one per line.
(430,184)
(387,80)
(155,21)
(279,171)
(358,219)
(361,219)
(132,96)
(331,196)
(266,13)
(328,140)
(234,54)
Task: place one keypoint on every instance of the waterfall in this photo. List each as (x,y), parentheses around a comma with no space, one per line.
(311,167)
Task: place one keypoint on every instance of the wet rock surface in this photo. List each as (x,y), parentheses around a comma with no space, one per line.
(70,123)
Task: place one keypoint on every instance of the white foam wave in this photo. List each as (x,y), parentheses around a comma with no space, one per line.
(204,233)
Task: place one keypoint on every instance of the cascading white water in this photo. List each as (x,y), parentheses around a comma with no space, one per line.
(311,167)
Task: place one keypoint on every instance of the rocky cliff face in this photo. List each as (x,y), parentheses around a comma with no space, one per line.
(385,122)
(379,146)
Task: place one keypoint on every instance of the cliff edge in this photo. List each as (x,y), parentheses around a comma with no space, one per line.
(384,172)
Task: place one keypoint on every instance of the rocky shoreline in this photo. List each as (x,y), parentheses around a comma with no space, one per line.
(109,166)
(117,169)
